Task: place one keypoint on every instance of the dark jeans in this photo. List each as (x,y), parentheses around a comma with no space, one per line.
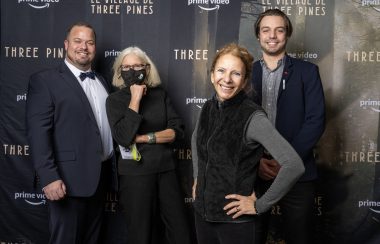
(298,214)
(224,233)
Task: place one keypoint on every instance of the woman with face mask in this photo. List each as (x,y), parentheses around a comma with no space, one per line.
(145,126)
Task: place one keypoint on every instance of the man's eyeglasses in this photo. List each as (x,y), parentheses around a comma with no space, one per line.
(134,67)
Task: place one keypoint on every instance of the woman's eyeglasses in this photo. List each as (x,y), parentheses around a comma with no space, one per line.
(134,67)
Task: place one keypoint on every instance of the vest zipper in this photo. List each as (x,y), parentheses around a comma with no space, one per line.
(206,169)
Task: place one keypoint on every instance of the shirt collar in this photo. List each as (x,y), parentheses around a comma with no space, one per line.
(280,62)
(74,69)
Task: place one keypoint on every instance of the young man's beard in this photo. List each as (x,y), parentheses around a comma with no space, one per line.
(274,52)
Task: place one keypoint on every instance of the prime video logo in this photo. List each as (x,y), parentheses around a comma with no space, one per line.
(372,104)
(31,198)
(375,4)
(370,204)
(38,4)
(215,4)
(196,100)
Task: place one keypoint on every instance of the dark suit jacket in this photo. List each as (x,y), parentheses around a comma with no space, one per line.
(64,138)
(300,115)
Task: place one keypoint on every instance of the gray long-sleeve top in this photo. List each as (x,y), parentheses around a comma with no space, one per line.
(259,129)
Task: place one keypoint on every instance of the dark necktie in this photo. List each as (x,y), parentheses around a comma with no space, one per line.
(84,75)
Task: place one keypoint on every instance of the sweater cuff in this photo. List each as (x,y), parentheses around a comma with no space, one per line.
(261,207)
(132,115)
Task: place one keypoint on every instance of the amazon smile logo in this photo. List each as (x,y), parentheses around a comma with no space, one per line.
(34,199)
(208,5)
(38,4)
(374,210)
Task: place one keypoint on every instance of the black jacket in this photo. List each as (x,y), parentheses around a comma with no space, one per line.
(63,132)
(300,115)
(155,114)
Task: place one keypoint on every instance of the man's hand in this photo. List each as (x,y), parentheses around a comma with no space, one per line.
(55,190)
(268,168)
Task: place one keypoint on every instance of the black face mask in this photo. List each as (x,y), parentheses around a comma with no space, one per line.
(132,76)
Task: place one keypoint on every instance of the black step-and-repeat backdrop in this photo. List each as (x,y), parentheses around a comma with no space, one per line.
(182,36)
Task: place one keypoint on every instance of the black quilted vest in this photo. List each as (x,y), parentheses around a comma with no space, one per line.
(227,164)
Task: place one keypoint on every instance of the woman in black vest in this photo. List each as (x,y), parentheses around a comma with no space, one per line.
(230,137)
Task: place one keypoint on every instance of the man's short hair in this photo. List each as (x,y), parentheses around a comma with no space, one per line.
(274,12)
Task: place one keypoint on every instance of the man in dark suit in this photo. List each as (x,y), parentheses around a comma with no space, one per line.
(70,139)
(290,91)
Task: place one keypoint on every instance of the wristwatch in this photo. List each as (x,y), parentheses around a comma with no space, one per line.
(151,138)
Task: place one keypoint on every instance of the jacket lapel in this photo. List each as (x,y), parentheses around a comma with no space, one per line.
(286,74)
(72,81)
(105,84)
